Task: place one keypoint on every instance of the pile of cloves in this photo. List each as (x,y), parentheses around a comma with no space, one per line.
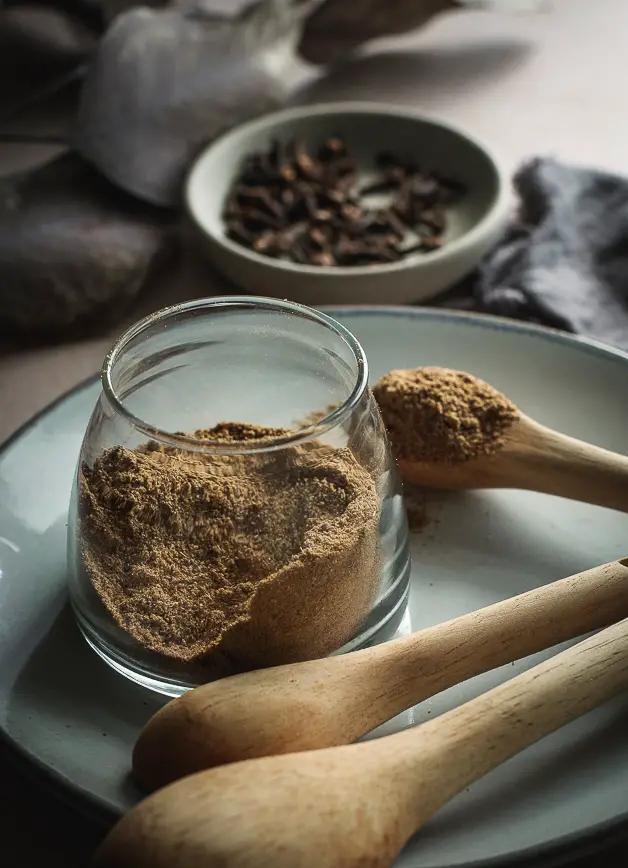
(318,209)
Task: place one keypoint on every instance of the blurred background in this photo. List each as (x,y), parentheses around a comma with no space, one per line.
(548,82)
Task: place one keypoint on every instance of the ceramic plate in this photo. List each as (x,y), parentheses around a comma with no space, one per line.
(62,709)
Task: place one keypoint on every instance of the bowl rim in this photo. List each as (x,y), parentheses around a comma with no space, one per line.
(494,217)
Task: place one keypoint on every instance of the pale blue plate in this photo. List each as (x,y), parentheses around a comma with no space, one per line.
(75,720)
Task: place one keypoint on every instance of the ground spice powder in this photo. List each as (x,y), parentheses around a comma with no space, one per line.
(192,553)
(442,416)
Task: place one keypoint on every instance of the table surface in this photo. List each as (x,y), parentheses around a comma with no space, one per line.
(552,83)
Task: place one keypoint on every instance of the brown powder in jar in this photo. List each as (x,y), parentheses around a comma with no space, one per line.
(441,416)
(192,553)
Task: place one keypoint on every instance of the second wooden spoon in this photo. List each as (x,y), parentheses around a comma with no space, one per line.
(335,701)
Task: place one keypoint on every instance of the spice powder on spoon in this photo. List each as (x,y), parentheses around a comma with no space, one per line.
(441,416)
(193,553)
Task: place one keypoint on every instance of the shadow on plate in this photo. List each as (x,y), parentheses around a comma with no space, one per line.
(64,671)
(490,525)
(418,77)
(65,690)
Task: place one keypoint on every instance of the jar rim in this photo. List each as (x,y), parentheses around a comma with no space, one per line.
(183,441)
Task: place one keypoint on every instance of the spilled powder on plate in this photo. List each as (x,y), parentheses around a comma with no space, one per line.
(416,508)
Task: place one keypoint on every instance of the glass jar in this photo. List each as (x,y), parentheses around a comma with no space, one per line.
(235,503)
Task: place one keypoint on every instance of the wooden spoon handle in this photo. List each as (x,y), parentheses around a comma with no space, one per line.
(554,463)
(425,663)
(467,742)
(535,458)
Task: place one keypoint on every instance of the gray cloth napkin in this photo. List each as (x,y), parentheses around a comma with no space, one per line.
(565,261)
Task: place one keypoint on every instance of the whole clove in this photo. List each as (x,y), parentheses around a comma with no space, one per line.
(237,232)
(310,206)
(268,243)
(434,242)
(332,149)
(434,219)
(254,219)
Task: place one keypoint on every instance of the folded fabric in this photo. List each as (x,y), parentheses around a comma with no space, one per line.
(564,263)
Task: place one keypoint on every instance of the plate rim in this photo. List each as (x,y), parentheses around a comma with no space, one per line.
(572,845)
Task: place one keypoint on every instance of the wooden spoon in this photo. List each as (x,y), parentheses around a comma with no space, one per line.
(356,806)
(535,458)
(528,456)
(336,700)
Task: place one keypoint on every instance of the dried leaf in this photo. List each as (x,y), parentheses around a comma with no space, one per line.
(102,12)
(89,12)
(165,82)
(507,5)
(32,34)
(74,249)
(112,8)
(336,28)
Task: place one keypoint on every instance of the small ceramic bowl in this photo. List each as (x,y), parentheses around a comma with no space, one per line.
(475,221)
